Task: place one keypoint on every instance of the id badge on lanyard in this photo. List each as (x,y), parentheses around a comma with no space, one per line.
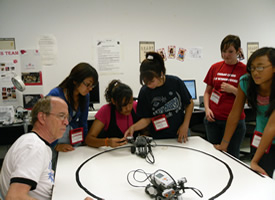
(215,96)
(160,122)
(256,140)
(76,135)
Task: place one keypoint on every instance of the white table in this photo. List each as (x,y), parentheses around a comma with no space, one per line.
(198,161)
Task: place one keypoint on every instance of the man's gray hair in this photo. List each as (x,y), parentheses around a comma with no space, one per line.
(42,105)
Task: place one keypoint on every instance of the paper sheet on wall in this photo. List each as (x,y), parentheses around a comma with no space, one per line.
(194,53)
(48,49)
(108,56)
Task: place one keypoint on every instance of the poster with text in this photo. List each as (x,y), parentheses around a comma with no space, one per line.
(144,47)
(108,56)
(31,69)
(9,67)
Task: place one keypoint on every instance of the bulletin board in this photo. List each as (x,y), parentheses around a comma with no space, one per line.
(27,65)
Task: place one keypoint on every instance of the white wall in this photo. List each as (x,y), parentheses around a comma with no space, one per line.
(76,24)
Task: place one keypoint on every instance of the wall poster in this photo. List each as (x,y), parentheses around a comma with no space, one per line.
(145,47)
(7,43)
(251,47)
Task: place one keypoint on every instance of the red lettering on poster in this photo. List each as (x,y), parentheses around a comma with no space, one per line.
(11,53)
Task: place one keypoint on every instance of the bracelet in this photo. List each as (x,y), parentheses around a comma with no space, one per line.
(106,142)
(225,141)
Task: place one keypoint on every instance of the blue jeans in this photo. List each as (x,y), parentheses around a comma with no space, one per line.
(215,132)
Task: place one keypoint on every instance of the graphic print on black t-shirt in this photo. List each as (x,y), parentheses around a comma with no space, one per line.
(160,104)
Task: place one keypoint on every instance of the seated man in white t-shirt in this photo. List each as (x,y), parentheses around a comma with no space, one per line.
(27,168)
(27,172)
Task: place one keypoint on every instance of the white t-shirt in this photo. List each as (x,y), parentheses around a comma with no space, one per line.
(28,161)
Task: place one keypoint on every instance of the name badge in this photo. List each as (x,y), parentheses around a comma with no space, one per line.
(215,96)
(160,122)
(76,135)
(256,140)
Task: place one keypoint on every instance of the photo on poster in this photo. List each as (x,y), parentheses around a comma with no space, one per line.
(32,78)
(181,54)
(161,51)
(6,71)
(8,93)
(29,100)
(171,51)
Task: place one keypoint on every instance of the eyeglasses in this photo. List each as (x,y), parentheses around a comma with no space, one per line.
(88,85)
(258,68)
(62,116)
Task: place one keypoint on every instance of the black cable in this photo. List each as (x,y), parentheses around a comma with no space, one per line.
(197,191)
(150,156)
(134,177)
